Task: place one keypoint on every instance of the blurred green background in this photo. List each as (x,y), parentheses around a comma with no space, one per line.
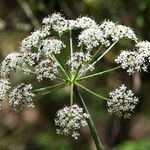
(34,129)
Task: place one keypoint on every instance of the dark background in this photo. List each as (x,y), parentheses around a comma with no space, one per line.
(34,129)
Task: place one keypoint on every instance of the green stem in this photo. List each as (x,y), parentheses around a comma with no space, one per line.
(27,71)
(104,54)
(71,44)
(49,87)
(77,73)
(78,70)
(99,73)
(61,66)
(71,95)
(60,78)
(93,130)
(81,47)
(53,90)
(91,92)
(96,53)
(71,47)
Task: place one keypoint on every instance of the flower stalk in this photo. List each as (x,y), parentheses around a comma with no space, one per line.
(91,92)
(91,125)
(104,53)
(99,73)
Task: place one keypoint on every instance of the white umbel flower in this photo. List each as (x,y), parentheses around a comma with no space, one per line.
(46,69)
(113,32)
(122,102)
(31,58)
(143,48)
(69,120)
(132,61)
(91,38)
(50,46)
(57,22)
(12,62)
(85,22)
(72,24)
(21,97)
(80,60)
(4,87)
(28,45)
(33,40)
(123,31)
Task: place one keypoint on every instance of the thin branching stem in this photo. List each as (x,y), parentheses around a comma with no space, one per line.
(104,54)
(27,71)
(99,73)
(71,94)
(49,87)
(71,47)
(71,44)
(91,92)
(53,90)
(93,130)
(63,69)
(60,78)
(96,53)
(92,64)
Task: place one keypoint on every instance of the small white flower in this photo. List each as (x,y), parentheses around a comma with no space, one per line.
(21,97)
(4,87)
(122,102)
(69,120)
(50,46)
(132,61)
(46,69)
(123,31)
(143,48)
(76,135)
(31,58)
(33,40)
(91,38)
(85,22)
(57,22)
(12,62)
(113,32)
(80,60)
(72,24)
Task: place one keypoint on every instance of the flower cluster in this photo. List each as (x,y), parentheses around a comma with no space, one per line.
(106,34)
(40,54)
(85,22)
(33,40)
(59,24)
(21,97)
(70,119)
(115,32)
(132,61)
(50,46)
(12,62)
(135,60)
(91,38)
(143,48)
(122,102)
(4,87)
(46,69)
(80,61)
(28,45)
